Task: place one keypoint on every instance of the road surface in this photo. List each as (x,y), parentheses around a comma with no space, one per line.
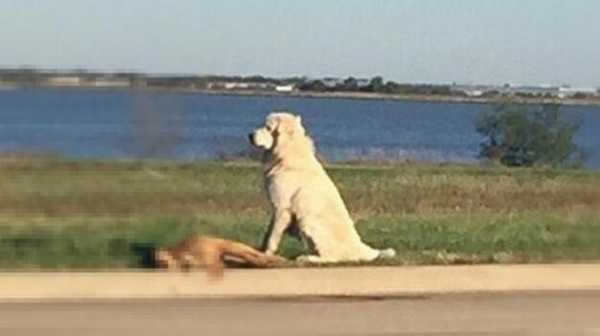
(510,313)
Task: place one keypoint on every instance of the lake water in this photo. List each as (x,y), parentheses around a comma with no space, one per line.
(112,124)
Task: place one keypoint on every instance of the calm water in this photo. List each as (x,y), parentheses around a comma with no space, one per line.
(90,124)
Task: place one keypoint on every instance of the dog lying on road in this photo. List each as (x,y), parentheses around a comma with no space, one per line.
(212,253)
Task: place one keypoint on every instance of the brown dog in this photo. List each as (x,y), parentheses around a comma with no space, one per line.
(212,253)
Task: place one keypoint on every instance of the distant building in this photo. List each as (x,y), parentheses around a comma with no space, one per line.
(110,81)
(235,85)
(472,90)
(544,90)
(64,81)
(568,91)
(331,82)
(285,88)
(361,83)
(240,85)
(474,93)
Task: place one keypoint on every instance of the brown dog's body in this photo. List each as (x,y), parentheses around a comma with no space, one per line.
(211,253)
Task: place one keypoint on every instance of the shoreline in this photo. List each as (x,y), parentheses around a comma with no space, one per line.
(407,98)
(324,95)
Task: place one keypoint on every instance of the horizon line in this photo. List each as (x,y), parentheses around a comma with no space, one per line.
(194,74)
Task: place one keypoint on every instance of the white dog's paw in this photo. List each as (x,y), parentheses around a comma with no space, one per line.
(388,253)
(304,259)
(309,259)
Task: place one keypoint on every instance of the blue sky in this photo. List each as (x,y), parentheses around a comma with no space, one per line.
(439,41)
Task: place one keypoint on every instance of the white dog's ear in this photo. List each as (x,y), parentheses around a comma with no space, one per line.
(300,128)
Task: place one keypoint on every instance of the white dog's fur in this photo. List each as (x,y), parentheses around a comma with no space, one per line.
(302,194)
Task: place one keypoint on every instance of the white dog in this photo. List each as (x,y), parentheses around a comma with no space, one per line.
(302,194)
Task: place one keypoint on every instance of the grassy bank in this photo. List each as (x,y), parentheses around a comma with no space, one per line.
(82,214)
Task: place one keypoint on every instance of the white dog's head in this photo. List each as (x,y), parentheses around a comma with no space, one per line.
(279,128)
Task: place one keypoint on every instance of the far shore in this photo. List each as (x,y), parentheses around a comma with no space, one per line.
(333,95)
(418,98)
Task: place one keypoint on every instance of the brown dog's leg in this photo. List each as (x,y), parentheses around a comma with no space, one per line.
(250,254)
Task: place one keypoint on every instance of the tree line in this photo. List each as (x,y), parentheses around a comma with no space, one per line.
(374,85)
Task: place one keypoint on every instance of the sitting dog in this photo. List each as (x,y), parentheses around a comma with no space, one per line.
(303,196)
(212,253)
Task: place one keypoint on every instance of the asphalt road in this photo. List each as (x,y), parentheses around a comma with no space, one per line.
(510,313)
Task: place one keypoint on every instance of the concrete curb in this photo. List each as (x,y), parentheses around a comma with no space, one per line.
(342,281)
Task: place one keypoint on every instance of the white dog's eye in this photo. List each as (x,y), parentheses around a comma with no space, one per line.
(269,128)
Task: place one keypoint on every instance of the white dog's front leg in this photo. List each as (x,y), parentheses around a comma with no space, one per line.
(279,223)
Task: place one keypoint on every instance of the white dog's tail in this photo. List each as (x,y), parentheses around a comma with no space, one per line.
(388,253)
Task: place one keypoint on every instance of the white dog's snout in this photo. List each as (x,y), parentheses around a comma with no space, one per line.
(261,138)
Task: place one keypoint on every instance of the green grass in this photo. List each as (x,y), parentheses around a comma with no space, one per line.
(85,214)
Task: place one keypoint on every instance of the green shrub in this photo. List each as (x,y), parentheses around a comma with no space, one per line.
(517,135)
